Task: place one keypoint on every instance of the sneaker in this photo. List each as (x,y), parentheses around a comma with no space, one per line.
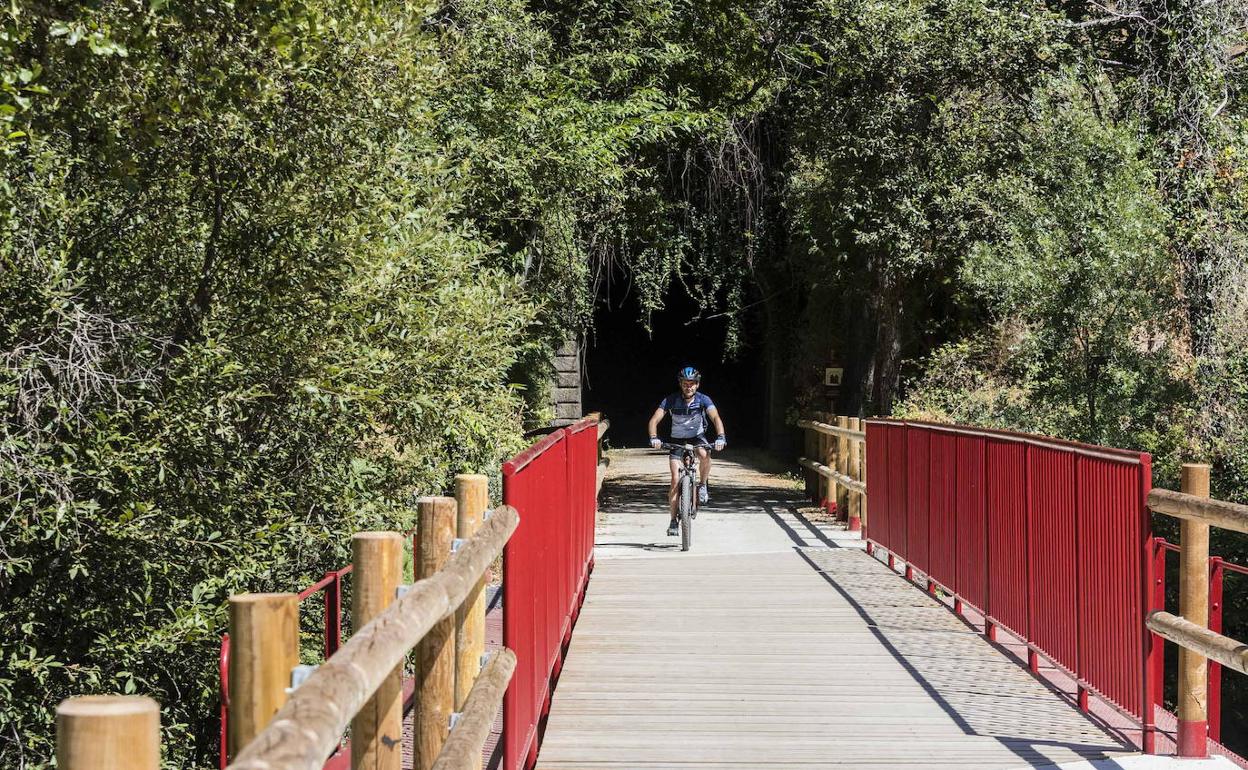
(703,494)
(673,529)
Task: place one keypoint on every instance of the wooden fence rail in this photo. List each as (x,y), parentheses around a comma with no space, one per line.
(836,461)
(311,723)
(463,746)
(359,684)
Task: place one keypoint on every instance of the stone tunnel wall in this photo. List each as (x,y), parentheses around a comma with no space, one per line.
(566,390)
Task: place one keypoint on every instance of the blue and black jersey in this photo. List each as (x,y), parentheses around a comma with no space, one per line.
(688,418)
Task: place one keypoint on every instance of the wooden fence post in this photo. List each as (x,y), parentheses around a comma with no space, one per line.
(1194,606)
(855,470)
(862,522)
(827,456)
(816,452)
(842,463)
(809,449)
(822,483)
(435,657)
(108,732)
(264,649)
(377,729)
(472,495)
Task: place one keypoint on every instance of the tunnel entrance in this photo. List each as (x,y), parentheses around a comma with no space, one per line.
(628,372)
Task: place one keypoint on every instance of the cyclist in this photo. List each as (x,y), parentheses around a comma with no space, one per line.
(690,411)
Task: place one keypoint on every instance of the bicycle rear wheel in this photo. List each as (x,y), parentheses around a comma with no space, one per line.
(686,503)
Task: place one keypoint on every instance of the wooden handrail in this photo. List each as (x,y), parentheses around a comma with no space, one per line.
(463,746)
(1210,644)
(840,478)
(832,430)
(1218,513)
(308,728)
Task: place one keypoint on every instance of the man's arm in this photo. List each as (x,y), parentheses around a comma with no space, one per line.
(713,413)
(654,422)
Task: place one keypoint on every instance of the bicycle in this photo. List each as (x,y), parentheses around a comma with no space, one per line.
(687,488)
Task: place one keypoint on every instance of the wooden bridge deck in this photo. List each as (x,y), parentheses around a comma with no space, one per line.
(780,644)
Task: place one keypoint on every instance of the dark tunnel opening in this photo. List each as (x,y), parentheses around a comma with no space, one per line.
(628,371)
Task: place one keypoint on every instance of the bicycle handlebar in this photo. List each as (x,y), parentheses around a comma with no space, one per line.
(669,446)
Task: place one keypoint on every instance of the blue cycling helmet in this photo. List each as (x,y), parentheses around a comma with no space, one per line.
(689,373)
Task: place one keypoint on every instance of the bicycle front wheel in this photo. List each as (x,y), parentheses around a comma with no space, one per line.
(686,503)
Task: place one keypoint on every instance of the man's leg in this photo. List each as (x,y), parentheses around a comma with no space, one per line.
(704,465)
(704,472)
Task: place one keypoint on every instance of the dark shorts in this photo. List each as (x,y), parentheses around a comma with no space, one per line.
(676,454)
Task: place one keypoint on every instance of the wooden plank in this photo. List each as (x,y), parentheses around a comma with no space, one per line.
(814,659)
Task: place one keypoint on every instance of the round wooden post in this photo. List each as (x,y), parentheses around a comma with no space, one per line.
(472,495)
(842,466)
(108,732)
(855,470)
(1194,606)
(810,449)
(828,457)
(264,648)
(821,448)
(435,657)
(377,729)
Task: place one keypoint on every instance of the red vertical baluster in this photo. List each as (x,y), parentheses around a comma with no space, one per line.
(1078,569)
(1028,605)
(1216,573)
(333,614)
(1153,648)
(986,604)
(223,663)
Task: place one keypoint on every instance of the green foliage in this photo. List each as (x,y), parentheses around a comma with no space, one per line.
(553,114)
(1074,258)
(243,317)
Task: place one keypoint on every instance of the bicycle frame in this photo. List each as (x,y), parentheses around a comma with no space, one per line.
(688,455)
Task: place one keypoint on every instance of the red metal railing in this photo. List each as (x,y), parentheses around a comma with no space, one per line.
(1048,539)
(1217,573)
(546,566)
(331,586)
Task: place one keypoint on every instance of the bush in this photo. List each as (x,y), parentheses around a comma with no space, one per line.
(241,318)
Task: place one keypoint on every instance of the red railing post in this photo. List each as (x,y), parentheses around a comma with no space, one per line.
(1216,574)
(333,614)
(1081,600)
(223,669)
(1033,660)
(988,608)
(1154,647)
